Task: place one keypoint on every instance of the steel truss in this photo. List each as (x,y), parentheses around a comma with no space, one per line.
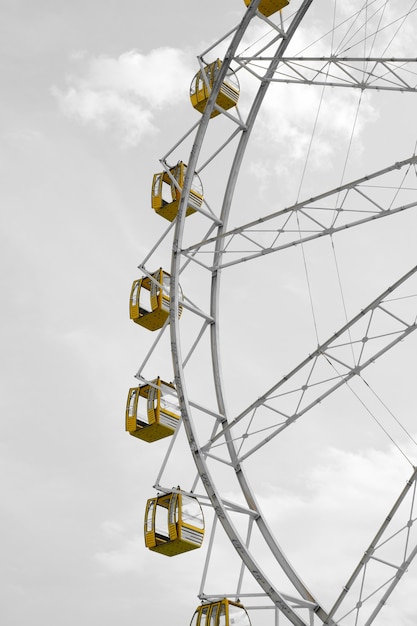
(219,438)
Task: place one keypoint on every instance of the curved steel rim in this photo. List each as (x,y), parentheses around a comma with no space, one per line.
(186,412)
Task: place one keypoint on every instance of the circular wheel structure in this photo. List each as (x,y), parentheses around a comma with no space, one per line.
(296,280)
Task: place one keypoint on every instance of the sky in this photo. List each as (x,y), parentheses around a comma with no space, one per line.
(94,94)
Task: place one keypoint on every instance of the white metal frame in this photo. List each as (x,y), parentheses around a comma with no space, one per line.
(302,607)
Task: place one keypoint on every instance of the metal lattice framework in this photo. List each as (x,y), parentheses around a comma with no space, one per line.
(223,440)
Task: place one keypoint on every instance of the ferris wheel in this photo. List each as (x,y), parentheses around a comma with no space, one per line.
(283,288)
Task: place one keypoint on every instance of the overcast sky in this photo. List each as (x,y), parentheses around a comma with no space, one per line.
(93,94)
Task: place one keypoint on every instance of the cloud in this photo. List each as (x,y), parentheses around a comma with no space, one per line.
(127,558)
(289,123)
(326,527)
(123,94)
(295,121)
(107,110)
(125,552)
(26,137)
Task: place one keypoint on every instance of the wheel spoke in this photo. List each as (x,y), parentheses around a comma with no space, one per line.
(347,206)
(308,384)
(381,74)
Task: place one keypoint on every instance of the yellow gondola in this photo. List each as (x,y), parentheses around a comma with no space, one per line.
(157,416)
(166,195)
(268,7)
(174,524)
(202,85)
(149,300)
(221,613)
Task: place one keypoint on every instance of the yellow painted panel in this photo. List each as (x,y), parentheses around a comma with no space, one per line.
(153,320)
(269,7)
(131,424)
(153,433)
(200,93)
(172,548)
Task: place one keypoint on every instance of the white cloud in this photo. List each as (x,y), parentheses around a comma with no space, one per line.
(295,121)
(125,552)
(126,558)
(107,110)
(25,138)
(289,122)
(326,529)
(122,94)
